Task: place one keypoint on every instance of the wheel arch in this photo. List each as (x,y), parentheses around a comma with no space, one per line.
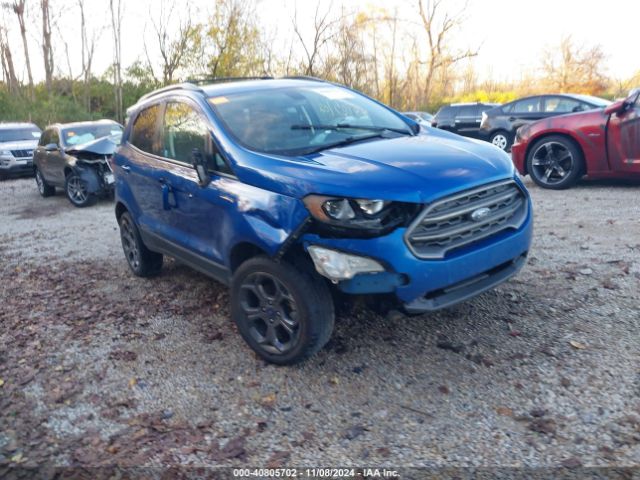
(243,251)
(120,209)
(566,136)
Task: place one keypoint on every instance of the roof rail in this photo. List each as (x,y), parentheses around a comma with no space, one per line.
(207,80)
(304,77)
(179,86)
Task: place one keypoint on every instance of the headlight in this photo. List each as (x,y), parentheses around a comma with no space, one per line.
(338,266)
(359,214)
(6,153)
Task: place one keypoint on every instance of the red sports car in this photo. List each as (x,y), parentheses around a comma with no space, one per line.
(602,143)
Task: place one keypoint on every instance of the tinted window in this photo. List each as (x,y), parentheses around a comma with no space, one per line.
(185,130)
(143,134)
(530,105)
(563,105)
(445,112)
(18,134)
(468,111)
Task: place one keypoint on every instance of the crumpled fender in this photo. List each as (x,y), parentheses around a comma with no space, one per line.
(89,176)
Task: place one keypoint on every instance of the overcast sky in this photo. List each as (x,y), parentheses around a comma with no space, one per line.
(511,34)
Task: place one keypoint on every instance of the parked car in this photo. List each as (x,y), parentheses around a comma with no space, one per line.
(17,141)
(74,156)
(499,125)
(602,143)
(287,188)
(462,118)
(423,118)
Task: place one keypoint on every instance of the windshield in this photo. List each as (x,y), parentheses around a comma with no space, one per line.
(19,134)
(87,133)
(299,120)
(597,101)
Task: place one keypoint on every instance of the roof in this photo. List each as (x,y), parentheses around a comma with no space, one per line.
(103,121)
(7,125)
(226,86)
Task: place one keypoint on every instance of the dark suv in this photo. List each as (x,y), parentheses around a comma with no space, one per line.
(287,189)
(462,118)
(499,125)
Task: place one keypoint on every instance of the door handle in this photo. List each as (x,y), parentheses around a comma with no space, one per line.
(126,168)
(512,119)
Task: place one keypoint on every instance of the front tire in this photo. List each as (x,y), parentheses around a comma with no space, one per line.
(555,162)
(78,192)
(44,189)
(284,313)
(142,261)
(502,140)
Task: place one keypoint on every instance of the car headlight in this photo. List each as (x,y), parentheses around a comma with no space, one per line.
(338,266)
(359,214)
(6,153)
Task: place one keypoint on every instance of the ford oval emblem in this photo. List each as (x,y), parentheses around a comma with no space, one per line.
(480,214)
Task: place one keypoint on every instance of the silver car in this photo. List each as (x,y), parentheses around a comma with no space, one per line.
(17,143)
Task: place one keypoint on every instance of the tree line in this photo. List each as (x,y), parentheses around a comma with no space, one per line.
(409,63)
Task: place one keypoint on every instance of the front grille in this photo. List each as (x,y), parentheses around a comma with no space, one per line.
(22,153)
(447,224)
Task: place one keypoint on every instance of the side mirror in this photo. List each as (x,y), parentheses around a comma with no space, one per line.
(51,147)
(200,165)
(616,107)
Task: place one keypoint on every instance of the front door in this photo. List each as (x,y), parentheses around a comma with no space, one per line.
(623,138)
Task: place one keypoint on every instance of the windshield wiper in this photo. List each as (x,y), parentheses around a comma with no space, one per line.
(341,143)
(344,126)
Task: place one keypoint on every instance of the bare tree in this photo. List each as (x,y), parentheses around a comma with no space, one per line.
(322,34)
(174,50)
(47,49)
(438,32)
(18,7)
(115,7)
(568,67)
(8,69)
(87,49)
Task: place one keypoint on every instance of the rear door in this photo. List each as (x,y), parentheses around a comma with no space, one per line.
(467,120)
(525,111)
(141,169)
(623,139)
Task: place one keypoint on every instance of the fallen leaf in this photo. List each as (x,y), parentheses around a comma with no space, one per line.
(577,345)
(268,400)
(504,411)
(132,382)
(334,380)
(1,382)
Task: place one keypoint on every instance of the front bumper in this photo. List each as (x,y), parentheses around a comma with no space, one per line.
(425,285)
(16,165)
(518,153)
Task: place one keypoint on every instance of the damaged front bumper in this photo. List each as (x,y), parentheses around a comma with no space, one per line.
(427,285)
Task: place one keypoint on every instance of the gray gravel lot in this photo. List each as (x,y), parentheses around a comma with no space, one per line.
(100,367)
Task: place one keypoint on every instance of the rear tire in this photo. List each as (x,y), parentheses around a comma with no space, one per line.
(284,313)
(142,261)
(77,192)
(44,189)
(555,162)
(501,139)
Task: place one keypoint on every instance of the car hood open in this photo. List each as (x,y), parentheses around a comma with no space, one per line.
(413,169)
(99,146)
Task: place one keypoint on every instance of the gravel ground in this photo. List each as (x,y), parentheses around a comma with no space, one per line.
(99,367)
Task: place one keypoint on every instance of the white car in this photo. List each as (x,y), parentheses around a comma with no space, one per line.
(17,143)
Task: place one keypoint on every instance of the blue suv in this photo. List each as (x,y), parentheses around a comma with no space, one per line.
(290,189)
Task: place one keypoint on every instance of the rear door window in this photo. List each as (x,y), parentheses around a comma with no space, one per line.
(144,132)
(563,105)
(529,105)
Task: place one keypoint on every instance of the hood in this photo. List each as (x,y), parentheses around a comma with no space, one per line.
(19,145)
(412,169)
(99,146)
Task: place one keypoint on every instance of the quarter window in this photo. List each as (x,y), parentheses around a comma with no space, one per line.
(143,134)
